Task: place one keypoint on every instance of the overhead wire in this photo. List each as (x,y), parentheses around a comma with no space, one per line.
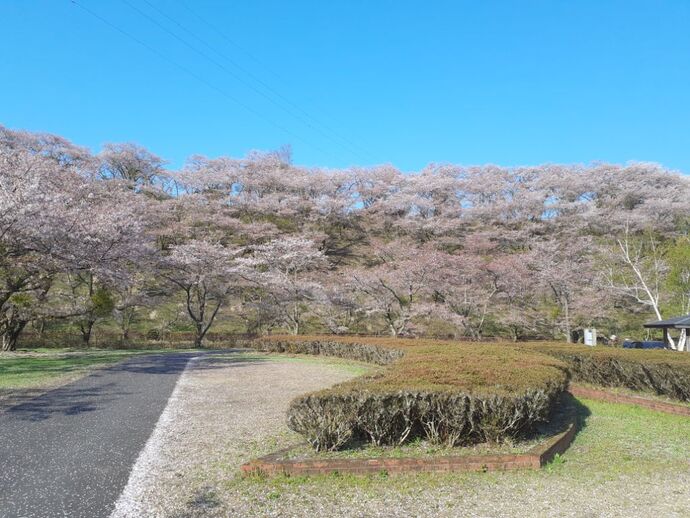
(199,78)
(228,39)
(223,35)
(237,76)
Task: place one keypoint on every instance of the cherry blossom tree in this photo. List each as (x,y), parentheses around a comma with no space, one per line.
(40,181)
(130,295)
(395,287)
(565,274)
(284,269)
(337,307)
(518,251)
(466,286)
(206,273)
(517,298)
(131,163)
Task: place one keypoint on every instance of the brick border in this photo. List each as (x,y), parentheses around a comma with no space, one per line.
(535,458)
(612,397)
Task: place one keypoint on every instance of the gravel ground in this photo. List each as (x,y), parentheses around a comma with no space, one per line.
(228,409)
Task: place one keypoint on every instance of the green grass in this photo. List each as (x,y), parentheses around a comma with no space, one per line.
(624,439)
(415,449)
(35,368)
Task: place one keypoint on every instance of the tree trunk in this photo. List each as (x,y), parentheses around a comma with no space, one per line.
(86,329)
(566,314)
(393,330)
(127,318)
(199,338)
(11,336)
(294,317)
(515,334)
(9,343)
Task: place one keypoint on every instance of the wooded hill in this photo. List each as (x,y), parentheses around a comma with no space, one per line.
(114,242)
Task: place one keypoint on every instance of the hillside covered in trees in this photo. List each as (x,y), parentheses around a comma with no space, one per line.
(117,243)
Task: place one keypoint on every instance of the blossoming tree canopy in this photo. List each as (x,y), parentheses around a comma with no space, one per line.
(116,241)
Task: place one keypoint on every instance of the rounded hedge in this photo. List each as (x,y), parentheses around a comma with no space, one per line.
(452,393)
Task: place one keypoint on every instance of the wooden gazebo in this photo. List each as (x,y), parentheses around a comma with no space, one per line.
(681,323)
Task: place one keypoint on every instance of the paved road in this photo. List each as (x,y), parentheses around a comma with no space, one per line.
(69,452)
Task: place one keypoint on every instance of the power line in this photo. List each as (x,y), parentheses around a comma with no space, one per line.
(248,84)
(229,40)
(266,67)
(197,77)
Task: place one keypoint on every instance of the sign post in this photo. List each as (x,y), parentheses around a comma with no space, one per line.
(591,337)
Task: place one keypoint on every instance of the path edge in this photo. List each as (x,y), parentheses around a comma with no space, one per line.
(126,505)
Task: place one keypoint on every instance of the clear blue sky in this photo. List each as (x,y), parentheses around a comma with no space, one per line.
(407,82)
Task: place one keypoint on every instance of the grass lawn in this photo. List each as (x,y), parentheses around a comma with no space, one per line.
(623,439)
(28,372)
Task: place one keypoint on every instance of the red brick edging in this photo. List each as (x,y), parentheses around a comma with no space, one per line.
(533,459)
(612,397)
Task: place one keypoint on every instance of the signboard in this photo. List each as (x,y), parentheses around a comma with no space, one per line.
(591,337)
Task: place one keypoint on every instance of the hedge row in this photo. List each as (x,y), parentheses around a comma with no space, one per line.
(328,347)
(447,393)
(331,420)
(663,372)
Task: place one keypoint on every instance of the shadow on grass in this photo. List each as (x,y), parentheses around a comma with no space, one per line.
(567,408)
(53,365)
(204,498)
(96,390)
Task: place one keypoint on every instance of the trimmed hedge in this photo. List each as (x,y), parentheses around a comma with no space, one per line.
(328,347)
(449,393)
(666,373)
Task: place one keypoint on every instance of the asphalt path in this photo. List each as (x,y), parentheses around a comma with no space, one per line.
(69,452)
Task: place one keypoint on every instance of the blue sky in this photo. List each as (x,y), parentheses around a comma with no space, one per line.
(356,82)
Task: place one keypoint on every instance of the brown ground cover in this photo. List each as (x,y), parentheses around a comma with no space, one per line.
(448,393)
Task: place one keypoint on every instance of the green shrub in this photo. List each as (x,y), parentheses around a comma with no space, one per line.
(451,393)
